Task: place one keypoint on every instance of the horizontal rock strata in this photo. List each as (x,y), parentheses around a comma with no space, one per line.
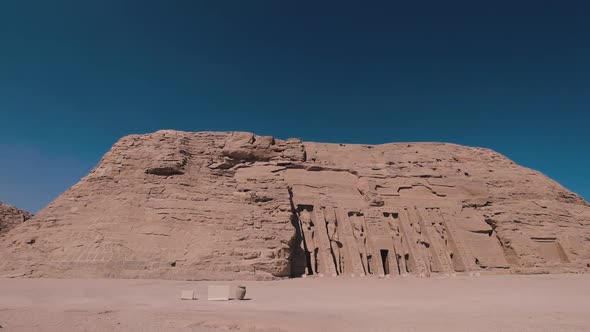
(217,205)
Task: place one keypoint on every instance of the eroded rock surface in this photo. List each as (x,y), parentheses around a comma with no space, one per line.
(11,216)
(215,205)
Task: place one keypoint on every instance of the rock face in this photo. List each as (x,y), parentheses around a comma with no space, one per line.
(11,216)
(204,206)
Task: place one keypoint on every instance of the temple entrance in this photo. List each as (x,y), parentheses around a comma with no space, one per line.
(385,261)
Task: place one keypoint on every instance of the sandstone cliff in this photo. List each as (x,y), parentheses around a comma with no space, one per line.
(11,216)
(215,205)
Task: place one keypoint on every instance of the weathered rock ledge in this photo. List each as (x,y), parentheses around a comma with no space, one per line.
(219,205)
(11,216)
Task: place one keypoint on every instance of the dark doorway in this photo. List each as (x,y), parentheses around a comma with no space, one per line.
(315,260)
(363,264)
(385,261)
(308,263)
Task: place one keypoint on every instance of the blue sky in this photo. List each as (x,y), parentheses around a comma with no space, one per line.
(75,76)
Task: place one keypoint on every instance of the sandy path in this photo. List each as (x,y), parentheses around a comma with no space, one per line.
(499,303)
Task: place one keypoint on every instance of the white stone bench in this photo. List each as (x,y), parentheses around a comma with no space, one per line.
(218,293)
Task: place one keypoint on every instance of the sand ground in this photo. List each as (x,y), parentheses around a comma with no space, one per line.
(484,303)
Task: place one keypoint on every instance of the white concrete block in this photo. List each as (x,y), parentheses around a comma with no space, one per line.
(218,293)
(188,295)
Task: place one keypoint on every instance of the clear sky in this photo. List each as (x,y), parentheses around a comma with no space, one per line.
(75,76)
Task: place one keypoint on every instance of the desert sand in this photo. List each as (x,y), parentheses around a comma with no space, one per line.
(462,303)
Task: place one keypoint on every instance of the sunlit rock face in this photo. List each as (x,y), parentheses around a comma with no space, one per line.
(11,216)
(223,205)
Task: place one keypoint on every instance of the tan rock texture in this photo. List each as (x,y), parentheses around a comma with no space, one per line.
(11,216)
(232,205)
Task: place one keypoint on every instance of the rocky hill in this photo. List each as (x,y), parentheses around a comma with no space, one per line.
(217,205)
(11,216)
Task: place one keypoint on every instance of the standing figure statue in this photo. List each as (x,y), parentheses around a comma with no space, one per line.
(335,244)
(401,252)
(359,234)
(310,246)
(423,253)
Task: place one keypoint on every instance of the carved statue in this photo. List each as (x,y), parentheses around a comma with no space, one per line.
(309,238)
(442,233)
(332,227)
(401,252)
(359,234)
